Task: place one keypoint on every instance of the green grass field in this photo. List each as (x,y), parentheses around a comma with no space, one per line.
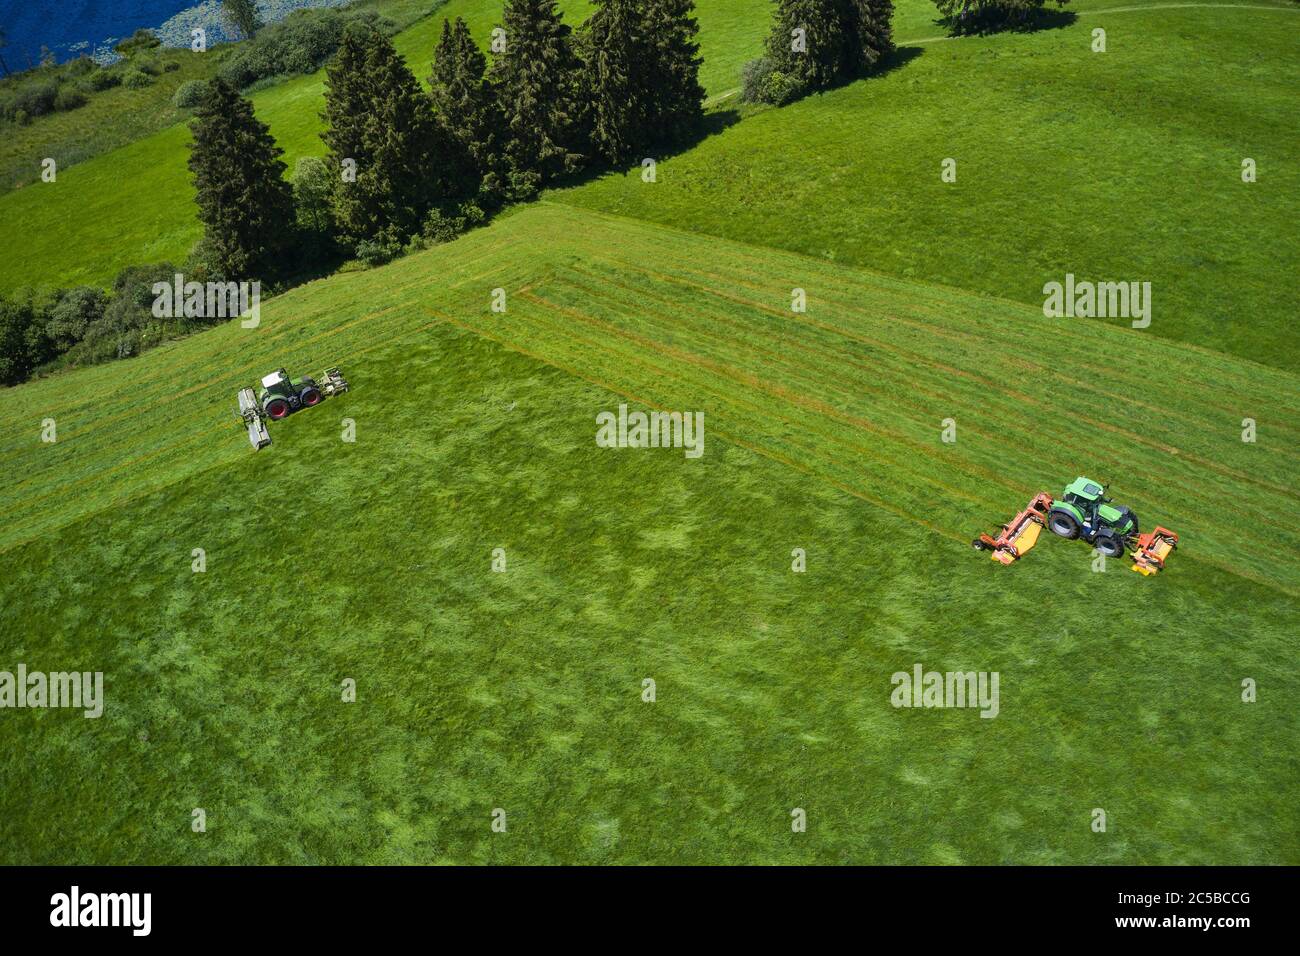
(119,116)
(1058,169)
(329,560)
(521,690)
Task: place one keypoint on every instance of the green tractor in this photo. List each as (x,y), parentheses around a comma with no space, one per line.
(281,396)
(1084,512)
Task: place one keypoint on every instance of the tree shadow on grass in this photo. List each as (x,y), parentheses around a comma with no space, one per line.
(994,21)
(896,59)
(711,124)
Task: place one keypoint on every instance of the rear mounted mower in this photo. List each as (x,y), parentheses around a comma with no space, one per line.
(1082,512)
(281,396)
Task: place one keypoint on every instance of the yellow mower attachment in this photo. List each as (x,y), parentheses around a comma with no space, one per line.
(1019,534)
(1152,550)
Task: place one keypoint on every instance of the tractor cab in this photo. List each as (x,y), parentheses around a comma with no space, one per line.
(277,383)
(1084,493)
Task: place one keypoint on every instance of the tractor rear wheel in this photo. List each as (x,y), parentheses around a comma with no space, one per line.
(276,409)
(1064,524)
(1111,545)
(309,396)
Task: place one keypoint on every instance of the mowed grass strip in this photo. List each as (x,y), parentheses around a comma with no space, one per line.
(857,392)
(1188,487)
(913,477)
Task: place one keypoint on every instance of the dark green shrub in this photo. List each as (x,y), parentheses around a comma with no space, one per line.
(445,225)
(135,80)
(81,66)
(137,42)
(761,82)
(69,98)
(23,343)
(189,93)
(73,313)
(102,80)
(36,99)
(753,79)
(376,253)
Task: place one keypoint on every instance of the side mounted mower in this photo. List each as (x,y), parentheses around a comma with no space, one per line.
(1082,512)
(281,396)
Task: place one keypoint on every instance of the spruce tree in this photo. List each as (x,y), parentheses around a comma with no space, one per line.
(814,58)
(672,30)
(641,74)
(618,73)
(378,117)
(468,113)
(245,205)
(869,34)
(537,77)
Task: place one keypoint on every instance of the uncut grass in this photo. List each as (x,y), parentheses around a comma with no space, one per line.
(522,690)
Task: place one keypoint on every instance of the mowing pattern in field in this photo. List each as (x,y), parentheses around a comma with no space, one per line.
(522,690)
(854,391)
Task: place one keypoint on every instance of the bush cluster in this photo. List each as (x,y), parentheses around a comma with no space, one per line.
(85,324)
(188,94)
(298,44)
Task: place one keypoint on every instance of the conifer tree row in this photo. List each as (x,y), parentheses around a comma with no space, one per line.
(382,137)
(816,44)
(641,74)
(404,163)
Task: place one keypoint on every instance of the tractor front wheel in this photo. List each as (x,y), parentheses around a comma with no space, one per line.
(276,409)
(1064,524)
(309,396)
(1112,546)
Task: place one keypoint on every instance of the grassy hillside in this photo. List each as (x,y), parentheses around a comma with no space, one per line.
(110,119)
(136,204)
(1063,157)
(1123,165)
(522,690)
(120,116)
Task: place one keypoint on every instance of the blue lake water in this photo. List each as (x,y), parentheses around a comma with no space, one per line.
(65,25)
